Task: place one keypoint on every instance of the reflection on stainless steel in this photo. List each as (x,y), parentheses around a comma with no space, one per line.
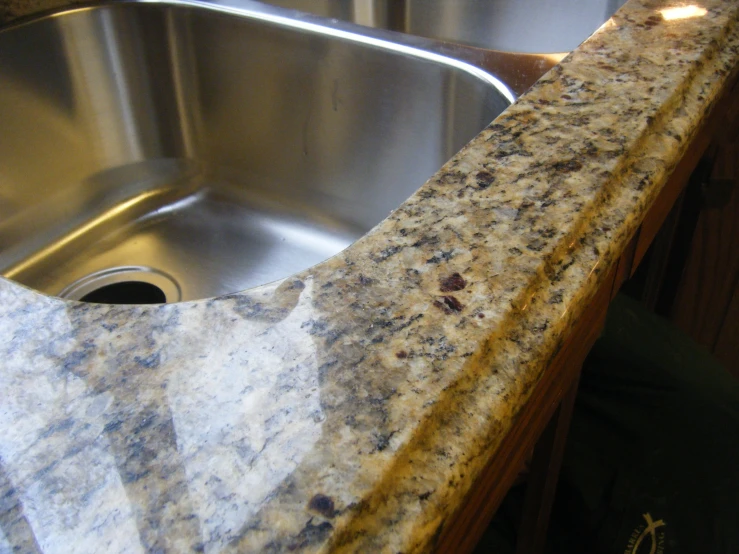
(532,26)
(516,40)
(223,146)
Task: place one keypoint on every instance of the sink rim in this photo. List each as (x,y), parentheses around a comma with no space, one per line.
(416,46)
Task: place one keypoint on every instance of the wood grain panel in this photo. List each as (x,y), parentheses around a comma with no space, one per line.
(727,344)
(625,265)
(706,300)
(466,527)
(542,484)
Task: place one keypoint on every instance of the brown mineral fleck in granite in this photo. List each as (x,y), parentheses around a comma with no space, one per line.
(453,283)
(323,505)
(449,304)
(351,407)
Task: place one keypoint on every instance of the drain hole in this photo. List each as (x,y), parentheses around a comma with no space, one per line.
(126,292)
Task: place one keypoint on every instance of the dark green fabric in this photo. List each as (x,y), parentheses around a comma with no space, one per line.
(654,438)
(652,458)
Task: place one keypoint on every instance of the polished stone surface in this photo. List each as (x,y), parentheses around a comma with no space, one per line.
(350,407)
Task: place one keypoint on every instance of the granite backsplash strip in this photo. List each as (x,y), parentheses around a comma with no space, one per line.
(351,407)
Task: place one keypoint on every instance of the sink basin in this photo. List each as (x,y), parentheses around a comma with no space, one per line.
(157,152)
(530,26)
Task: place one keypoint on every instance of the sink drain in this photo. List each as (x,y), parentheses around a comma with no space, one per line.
(127,292)
(124,285)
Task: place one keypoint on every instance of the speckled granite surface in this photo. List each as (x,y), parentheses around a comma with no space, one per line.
(350,407)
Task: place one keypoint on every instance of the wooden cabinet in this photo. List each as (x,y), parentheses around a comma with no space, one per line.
(707,302)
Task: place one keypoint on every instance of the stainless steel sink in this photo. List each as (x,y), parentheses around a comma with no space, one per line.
(155,152)
(516,40)
(531,26)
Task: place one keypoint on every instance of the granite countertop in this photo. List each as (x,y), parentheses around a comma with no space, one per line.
(351,406)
